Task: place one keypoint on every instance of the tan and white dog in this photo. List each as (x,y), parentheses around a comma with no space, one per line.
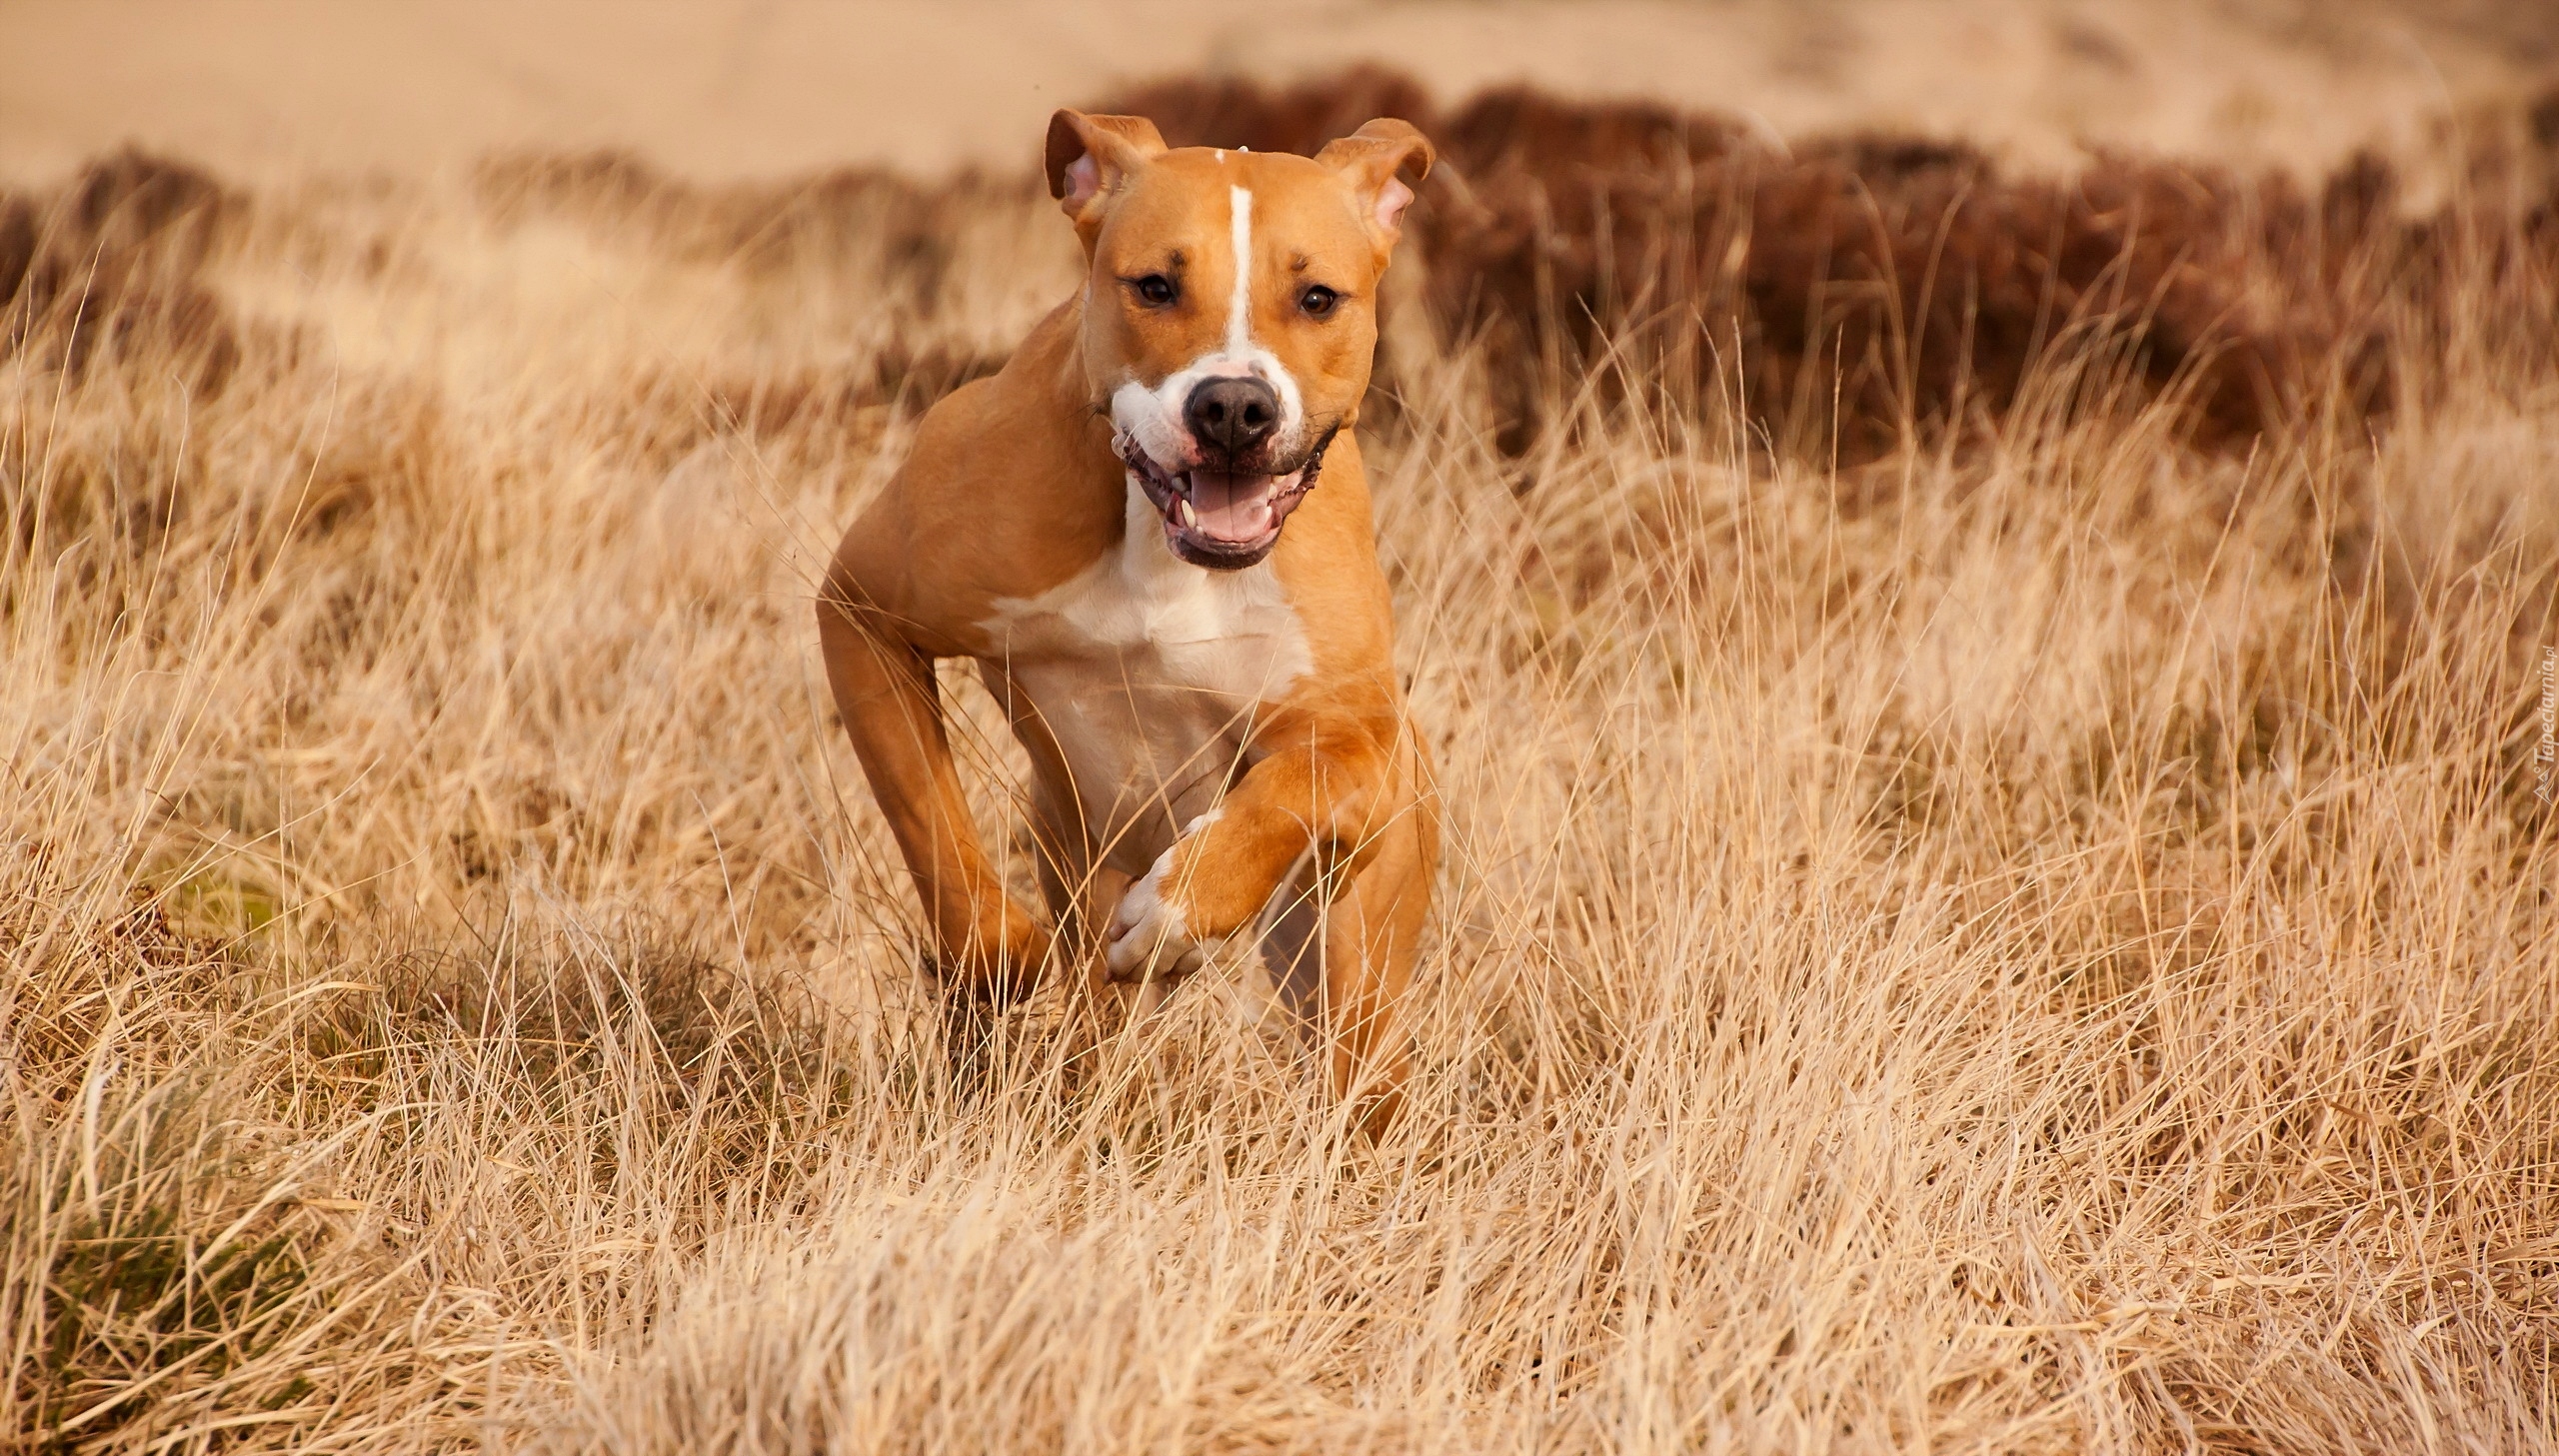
(1151,533)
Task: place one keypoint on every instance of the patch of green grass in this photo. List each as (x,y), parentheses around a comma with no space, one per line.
(215,905)
(156,1279)
(147,1293)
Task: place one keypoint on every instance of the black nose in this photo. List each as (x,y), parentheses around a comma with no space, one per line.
(1232,415)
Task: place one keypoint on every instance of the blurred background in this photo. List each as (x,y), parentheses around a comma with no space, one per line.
(744,88)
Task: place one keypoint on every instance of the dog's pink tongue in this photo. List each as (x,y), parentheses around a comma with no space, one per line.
(1229,506)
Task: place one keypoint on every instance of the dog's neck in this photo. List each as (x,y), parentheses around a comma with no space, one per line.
(1052,361)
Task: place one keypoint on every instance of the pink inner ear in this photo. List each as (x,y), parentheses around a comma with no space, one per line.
(1084,178)
(1392,199)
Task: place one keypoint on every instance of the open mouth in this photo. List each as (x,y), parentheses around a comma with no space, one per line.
(1225,520)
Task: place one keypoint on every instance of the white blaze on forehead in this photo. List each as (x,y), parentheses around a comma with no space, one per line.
(1240,306)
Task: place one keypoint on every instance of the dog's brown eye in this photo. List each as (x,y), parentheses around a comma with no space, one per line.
(1319,302)
(1154,290)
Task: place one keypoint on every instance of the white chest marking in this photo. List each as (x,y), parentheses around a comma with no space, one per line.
(1150,672)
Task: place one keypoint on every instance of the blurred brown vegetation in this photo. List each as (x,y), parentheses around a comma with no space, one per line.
(111,263)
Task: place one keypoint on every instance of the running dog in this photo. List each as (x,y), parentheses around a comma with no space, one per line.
(1150,532)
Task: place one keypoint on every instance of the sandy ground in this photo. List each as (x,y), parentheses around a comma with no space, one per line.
(725,87)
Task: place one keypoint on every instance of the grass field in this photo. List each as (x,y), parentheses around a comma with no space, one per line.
(2041,941)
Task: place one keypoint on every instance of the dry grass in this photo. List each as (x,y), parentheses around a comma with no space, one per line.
(2046,945)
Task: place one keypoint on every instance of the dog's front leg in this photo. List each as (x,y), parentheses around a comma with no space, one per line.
(1318,793)
(891,705)
(1355,799)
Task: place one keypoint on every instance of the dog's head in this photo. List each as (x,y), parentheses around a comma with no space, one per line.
(1230,311)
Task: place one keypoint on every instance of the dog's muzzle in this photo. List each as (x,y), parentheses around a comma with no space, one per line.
(1225,519)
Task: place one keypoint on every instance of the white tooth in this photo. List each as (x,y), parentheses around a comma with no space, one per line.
(1182,512)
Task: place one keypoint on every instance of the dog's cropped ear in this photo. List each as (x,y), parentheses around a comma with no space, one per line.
(1089,158)
(1380,161)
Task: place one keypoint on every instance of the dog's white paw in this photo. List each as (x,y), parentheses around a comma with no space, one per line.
(1149,940)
